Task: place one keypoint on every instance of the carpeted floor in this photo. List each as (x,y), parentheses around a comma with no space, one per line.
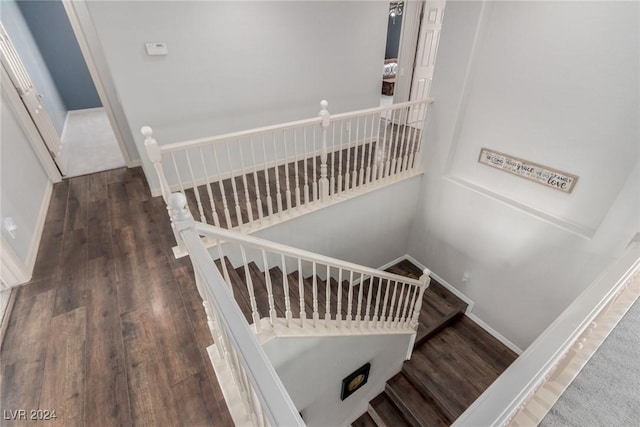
(607,390)
(89,144)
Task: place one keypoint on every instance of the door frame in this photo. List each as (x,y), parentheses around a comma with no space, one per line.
(91,49)
(413,10)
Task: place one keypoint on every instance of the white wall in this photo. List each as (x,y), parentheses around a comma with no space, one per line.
(27,48)
(312,370)
(25,188)
(371,229)
(238,65)
(555,83)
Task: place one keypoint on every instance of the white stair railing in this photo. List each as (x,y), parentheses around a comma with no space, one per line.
(328,292)
(376,302)
(264,399)
(248,179)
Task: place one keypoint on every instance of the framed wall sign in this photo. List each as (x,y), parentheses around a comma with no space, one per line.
(544,175)
(355,380)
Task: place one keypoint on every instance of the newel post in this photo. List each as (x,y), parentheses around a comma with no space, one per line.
(425,279)
(180,215)
(155,156)
(324,180)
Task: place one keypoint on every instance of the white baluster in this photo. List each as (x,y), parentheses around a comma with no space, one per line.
(316,316)
(297,173)
(396,146)
(225,205)
(214,213)
(277,173)
(385,308)
(405,311)
(252,296)
(402,161)
(392,304)
(359,308)
(396,317)
(347,173)
(354,172)
(306,174)
(361,175)
(327,309)
(285,284)
(255,182)
(175,168)
(267,281)
(332,180)
(286,170)
(236,200)
(195,187)
(370,159)
(369,294)
(303,314)
(340,182)
(247,198)
(350,299)
(315,169)
(339,306)
(381,151)
(266,179)
(377,304)
(224,267)
(324,181)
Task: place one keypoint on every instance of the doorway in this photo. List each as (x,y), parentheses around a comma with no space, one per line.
(391,53)
(52,78)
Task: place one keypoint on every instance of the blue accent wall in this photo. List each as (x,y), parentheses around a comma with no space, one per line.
(54,36)
(393,37)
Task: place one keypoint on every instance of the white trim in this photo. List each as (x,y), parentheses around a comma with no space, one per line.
(497,335)
(29,128)
(135,164)
(37,232)
(470,303)
(13,272)
(81,23)
(85,110)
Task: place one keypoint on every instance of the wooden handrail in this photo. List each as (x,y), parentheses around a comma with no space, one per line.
(276,404)
(177,146)
(232,236)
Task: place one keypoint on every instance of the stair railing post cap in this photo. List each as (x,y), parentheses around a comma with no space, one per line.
(177,201)
(146,131)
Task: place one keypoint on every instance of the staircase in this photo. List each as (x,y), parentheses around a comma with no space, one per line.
(453,362)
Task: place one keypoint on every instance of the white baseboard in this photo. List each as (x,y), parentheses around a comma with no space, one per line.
(135,164)
(497,335)
(464,298)
(37,233)
(470,303)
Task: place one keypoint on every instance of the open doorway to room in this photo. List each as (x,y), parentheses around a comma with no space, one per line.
(57,89)
(390,70)
(413,34)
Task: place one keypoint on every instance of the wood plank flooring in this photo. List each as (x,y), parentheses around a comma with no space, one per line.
(110,331)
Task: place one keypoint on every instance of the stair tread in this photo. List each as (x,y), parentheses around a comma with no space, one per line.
(411,401)
(388,413)
(364,420)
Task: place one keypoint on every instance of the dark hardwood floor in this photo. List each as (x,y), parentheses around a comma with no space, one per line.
(110,331)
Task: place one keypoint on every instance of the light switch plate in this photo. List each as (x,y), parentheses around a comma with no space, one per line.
(156,48)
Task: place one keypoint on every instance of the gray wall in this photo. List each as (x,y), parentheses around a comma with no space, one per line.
(555,83)
(27,48)
(237,65)
(54,36)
